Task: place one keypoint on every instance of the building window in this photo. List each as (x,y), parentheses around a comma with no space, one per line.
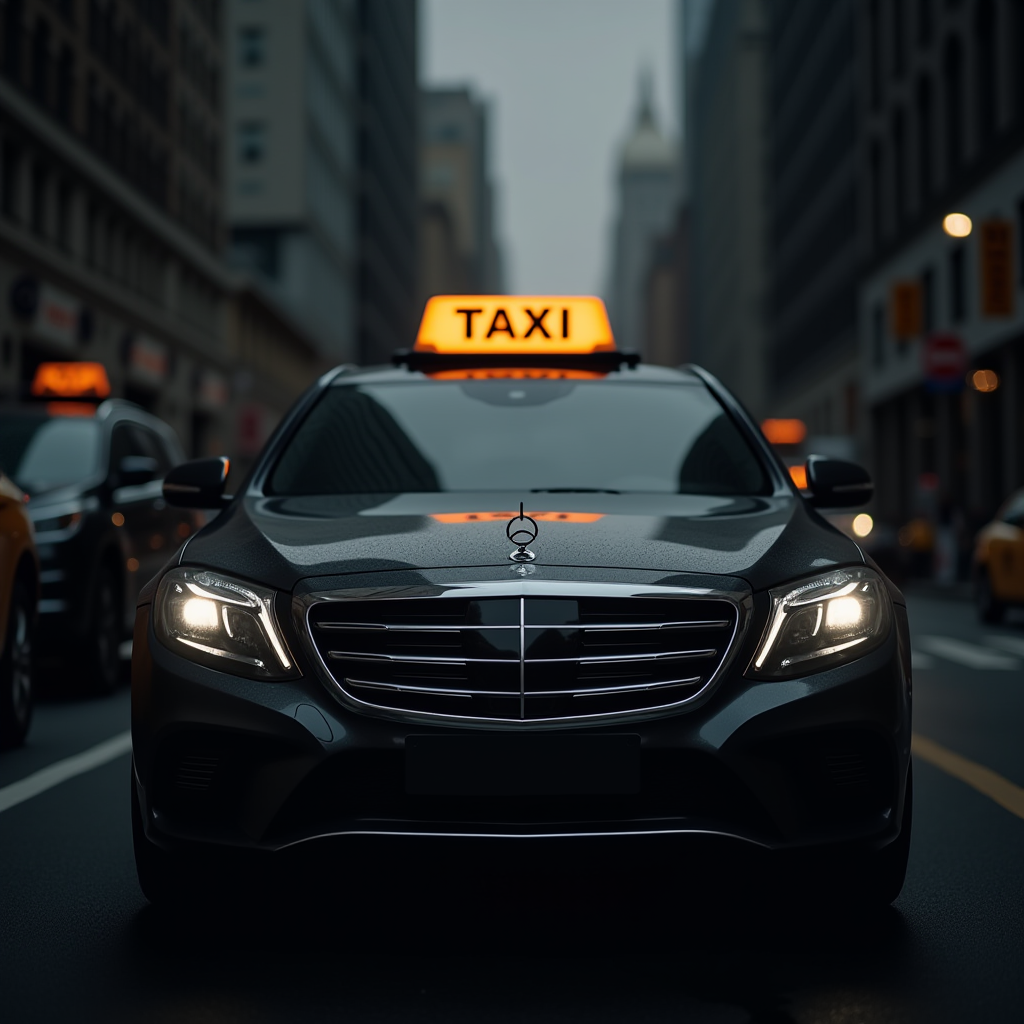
(9,166)
(899,39)
(986,62)
(876,193)
(958,284)
(252,46)
(928,301)
(878,336)
(953,82)
(899,166)
(38,205)
(874,50)
(252,139)
(925,137)
(924,21)
(1020,239)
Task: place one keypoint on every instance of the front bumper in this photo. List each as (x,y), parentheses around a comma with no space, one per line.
(223,761)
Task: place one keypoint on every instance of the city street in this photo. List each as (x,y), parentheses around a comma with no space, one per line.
(79,942)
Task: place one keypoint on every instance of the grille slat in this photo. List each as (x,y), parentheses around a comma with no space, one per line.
(466,658)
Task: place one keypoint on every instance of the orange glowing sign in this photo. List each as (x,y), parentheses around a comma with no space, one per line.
(784,431)
(515,325)
(515,373)
(504,517)
(798,474)
(71,380)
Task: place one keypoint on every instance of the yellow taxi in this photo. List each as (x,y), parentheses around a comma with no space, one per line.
(19,588)
(999,560)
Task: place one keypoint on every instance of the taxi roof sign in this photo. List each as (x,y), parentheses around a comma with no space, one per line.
(519,325)
(71,380)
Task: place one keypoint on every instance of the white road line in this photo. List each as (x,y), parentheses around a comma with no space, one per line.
(920,660)
(970,655)
(1013,644)
(60,771)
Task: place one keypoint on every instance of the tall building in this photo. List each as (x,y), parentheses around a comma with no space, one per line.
(648,189)
(814,241)
(110,200)
(321,161)
(725,140)
(458,249)
(942,131)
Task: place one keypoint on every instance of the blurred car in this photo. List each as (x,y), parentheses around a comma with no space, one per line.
(19,592)
(102,526)
(364,642)
(998,563)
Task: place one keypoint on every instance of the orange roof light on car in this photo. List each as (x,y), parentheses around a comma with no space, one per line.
(784,431)
(71,380)
(514,325)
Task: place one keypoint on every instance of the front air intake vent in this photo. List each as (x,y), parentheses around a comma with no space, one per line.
(523,658)
(196,772)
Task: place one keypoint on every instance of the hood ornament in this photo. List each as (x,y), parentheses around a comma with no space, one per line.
(522,530)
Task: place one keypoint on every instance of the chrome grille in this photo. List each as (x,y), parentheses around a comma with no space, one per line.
(528,658)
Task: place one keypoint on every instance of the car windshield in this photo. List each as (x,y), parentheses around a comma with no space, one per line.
(525,436)
(40,453)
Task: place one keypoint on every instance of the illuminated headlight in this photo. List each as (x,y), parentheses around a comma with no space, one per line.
(221,622)
(821,623)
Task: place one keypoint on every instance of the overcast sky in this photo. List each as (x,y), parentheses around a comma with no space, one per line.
(561,78)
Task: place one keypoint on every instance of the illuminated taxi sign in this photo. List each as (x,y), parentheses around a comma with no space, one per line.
(514,325)
(70,380)
(490,517)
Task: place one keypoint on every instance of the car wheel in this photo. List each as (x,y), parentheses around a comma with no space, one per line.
(989,609)
(106,632)
(16,671)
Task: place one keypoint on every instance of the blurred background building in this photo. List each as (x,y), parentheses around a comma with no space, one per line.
(321,165)
(648,188)
(458,250)
(940,313)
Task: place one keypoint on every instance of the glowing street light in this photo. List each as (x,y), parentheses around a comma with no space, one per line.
(957,225)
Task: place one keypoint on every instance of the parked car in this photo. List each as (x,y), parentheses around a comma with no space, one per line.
(998,565)
(19,594)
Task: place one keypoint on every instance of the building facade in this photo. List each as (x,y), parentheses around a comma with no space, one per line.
(814,244)
(320,151)
(942,102)
(725,143)
(110,211)
(458,249)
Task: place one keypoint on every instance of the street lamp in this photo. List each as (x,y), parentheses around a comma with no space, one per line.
(957,225)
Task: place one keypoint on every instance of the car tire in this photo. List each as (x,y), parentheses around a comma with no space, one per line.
(16,670)
(105,631)
(990,610)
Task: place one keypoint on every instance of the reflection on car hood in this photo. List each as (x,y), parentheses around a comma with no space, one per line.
(282,540)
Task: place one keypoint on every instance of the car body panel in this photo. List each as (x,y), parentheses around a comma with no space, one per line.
(18,557)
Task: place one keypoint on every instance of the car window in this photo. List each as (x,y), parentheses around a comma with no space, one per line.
(40,453)
(518,435)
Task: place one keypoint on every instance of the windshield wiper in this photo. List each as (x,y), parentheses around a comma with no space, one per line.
(572,490)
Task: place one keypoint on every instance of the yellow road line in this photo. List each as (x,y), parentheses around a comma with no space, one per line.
(1005,793)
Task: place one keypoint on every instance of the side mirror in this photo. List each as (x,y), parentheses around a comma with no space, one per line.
(834,483)
(197,484)
(137,469)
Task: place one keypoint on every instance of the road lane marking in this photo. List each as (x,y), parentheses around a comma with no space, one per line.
(60,771)
(970,655)
(919,659)
(1013,644)
(1005,793)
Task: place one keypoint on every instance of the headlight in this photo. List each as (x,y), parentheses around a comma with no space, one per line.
(67,520)
(221,622)
(823,622)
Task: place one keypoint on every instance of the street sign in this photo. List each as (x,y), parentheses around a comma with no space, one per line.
(945,362)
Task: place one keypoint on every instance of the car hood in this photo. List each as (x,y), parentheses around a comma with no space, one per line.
(279,541)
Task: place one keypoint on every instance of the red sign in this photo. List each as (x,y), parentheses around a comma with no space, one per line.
(945,361)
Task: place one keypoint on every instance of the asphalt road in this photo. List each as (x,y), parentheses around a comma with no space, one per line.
(78,941)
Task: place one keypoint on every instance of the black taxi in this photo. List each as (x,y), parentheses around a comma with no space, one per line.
(92,467)
(519,587)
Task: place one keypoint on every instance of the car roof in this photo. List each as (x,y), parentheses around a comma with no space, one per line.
(644,373)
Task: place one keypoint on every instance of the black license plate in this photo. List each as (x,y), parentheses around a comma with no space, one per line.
(539,764)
